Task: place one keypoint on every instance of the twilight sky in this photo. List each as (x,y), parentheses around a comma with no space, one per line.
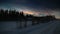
(35,6)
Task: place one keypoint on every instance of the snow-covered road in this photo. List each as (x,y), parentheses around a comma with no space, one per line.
(42,28)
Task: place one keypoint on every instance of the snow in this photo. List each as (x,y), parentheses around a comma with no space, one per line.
(51,27)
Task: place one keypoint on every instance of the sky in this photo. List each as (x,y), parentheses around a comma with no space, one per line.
(33,6)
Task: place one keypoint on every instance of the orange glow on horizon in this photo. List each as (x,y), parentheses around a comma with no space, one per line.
(27,12)
(31,12)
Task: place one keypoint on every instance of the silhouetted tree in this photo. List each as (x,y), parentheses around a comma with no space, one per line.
(2,14)
(6,14)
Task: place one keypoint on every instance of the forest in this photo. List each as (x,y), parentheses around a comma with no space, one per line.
(12,15)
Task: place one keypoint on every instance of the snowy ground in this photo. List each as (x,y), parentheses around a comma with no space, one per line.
(53,27)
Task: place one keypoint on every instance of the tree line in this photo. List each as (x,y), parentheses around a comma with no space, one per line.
(15,15)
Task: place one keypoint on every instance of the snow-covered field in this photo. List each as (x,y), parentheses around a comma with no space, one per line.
(52,27)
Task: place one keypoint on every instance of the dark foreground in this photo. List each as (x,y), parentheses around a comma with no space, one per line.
(52,27)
